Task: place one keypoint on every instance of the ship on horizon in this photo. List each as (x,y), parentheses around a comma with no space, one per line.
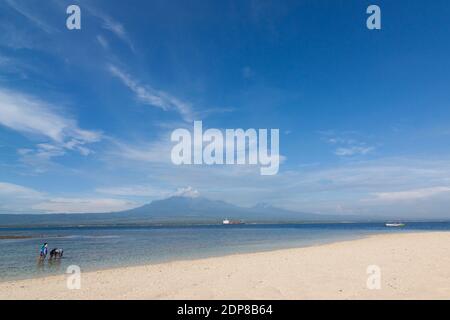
(230,222)
(394,224)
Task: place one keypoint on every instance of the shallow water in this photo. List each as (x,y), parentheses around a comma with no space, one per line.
(94,248)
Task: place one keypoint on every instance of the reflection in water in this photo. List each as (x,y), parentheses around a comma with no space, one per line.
(54,264)
(40,264)
(51,265)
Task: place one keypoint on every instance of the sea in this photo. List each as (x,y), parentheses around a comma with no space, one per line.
(94,248)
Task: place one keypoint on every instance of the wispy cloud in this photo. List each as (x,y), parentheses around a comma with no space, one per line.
(347,143)
(14,68)
(102,41)
(34,117)
(351,151)
(150,96)
(19,199)
(411,194)
(30,14)
(10,189)
(158,151)
(110,24)
(115,27)
(16,198)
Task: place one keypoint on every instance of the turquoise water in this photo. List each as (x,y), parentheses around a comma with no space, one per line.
(107,247)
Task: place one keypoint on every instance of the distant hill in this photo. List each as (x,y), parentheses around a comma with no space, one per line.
(173,210)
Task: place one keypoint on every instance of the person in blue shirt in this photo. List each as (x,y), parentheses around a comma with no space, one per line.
(44,251)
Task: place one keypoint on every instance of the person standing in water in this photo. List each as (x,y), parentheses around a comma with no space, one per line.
(44,251)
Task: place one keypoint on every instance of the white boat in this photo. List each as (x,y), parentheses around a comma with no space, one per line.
(230,222)
(394,224)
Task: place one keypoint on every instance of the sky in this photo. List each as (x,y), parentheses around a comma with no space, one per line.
(86,115)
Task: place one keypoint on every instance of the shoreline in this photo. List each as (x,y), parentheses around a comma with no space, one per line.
(289,246)
(212,256)
(413,266)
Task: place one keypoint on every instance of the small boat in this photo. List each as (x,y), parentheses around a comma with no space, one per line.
(228,222)
(398,224)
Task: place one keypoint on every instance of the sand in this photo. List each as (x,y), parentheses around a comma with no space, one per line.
(412,266)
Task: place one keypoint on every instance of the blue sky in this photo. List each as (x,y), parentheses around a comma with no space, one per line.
(86,115)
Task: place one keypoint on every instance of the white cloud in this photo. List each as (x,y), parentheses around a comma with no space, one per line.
(188,192)
(14,190)
(319,189)
(351,151)
(349,188)
(411,194)
(115,27)
(337,140)
(16,198)
(31,116)
(347,142)
(156,98)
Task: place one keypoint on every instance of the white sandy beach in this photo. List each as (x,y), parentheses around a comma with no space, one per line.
(413,266)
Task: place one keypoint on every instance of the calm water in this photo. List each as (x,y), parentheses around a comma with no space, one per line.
(97,248)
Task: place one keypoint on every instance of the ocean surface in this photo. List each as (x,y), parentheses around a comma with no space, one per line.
(93,248)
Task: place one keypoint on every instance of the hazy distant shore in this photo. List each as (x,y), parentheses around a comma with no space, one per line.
(412,266)
(203,224)
(19,237)
(14,237)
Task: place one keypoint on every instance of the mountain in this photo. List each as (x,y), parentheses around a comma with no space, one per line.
(186,207)
(203,209)
(173,210)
